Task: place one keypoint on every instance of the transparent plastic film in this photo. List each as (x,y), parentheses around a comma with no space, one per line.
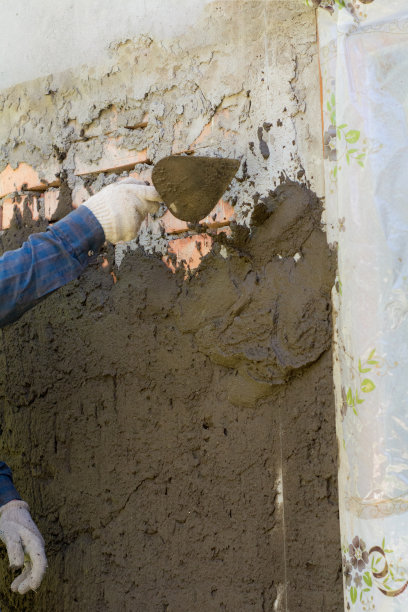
(363,50)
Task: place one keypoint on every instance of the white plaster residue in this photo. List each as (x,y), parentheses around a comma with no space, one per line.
(223,252)
(279,603)
(229,79)
(279,491)
(69,34)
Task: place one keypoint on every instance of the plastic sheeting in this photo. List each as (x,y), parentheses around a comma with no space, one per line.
(363,49)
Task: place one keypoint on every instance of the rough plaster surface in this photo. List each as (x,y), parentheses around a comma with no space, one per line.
(175,438)
(246,70)
(79,31)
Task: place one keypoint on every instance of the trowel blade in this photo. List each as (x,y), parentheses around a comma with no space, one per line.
(191,186)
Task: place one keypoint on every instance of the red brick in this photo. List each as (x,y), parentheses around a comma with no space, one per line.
(221,215)
(79,196)
(136,175)
(188,250)
(51,198)
(144,175)
(24,177)
(10,204)
(172,225)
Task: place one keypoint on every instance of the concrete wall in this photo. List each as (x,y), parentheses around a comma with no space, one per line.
(70,34)
(157,489)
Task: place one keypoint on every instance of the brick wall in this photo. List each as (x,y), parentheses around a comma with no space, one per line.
(23,192)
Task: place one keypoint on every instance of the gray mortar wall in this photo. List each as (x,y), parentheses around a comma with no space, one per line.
(174,435)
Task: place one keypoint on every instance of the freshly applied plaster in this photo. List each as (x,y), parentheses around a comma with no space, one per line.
(175,437)
(191,186)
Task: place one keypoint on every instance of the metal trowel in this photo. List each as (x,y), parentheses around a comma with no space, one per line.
(191,186)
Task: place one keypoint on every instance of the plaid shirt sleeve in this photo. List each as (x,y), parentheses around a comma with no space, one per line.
(7,490)
(44,263)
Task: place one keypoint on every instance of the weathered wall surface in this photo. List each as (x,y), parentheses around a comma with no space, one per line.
(174,434)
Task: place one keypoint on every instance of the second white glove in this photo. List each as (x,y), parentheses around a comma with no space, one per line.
(121,208)
(25,545)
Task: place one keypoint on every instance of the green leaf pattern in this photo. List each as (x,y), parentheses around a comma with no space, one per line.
(366,569)
(354,7)
(338,140)
(352,398)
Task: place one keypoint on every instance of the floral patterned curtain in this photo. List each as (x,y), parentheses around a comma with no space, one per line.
(363,48)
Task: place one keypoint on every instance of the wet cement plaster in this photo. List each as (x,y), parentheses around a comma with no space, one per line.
(175,436)
(190,186)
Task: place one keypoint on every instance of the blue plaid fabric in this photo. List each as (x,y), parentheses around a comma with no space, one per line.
(7,490)
(44,263)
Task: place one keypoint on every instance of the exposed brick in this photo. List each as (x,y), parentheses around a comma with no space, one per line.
(221,215)
(25,177)
(172,225)
(79,196)
(188,251)
(10,204)
(50,202)
(136,175)
(113,158)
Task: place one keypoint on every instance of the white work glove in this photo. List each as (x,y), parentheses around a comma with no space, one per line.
(25,545)
(121,208)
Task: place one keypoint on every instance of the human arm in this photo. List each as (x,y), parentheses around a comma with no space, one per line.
(53,258)
(44,263)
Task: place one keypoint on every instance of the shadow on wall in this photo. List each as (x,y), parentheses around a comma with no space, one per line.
(151,423)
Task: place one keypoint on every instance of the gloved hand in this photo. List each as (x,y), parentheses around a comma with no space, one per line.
(25,545)
(121,208)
